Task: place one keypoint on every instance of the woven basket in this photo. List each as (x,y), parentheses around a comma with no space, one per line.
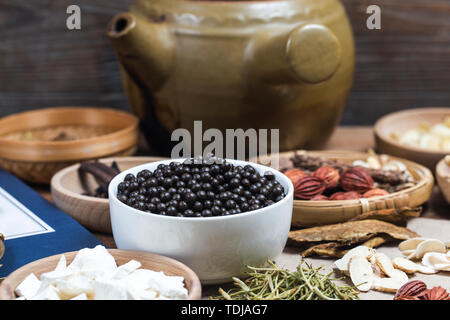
(313,213)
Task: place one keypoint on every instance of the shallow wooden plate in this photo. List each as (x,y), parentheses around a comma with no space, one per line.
(313,213)
(148,260)
(93,213)
(399,122)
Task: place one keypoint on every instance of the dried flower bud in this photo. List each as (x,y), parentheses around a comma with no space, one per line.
(295,174)
(329,175)
(356,179)
(308,187)
(375,192)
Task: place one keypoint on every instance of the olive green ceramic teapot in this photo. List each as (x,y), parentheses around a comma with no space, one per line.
(284,65)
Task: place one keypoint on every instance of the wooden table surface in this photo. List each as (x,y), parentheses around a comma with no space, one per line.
(344,138)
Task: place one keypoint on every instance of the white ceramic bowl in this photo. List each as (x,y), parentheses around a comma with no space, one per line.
(216,248)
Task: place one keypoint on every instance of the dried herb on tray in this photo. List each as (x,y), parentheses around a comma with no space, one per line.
(274,283)
(102,173)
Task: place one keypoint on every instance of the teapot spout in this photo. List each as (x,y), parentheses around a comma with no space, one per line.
(144,49)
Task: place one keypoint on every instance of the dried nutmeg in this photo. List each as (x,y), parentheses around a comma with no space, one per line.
(410,290)
(375,192)
(319,197)
(329,175)
(295,174)
(356,179)
(308,187)
(436,293)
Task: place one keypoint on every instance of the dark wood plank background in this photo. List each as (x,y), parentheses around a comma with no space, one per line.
(405,64)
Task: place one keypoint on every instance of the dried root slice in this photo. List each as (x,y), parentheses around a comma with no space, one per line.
(426,270)
(362,251)
(329,249)
(433,259)
(410,244)
(442,266)
(386,284)
(405,265)
(361,273)
(376,241)
(400,276)
(384,263)
(447,243)
(430,245)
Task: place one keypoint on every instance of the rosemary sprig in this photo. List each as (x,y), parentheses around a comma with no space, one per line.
(274,283)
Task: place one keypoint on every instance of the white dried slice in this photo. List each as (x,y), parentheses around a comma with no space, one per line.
(410,244)
(343,263)
(384,263)
(447,243)
(386,284)
(361,273)
(430,245)
(405,265)
(442,266)
(426,270)
(62,264)
(431,259)
(399,276)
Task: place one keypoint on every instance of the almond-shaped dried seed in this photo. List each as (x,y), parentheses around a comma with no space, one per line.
(384,263)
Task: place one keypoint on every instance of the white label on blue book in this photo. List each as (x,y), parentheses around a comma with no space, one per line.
(17,221)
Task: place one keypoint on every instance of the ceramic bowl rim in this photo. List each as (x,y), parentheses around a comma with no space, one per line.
(119,178)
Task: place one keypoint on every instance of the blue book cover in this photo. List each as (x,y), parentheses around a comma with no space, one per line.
(33,227)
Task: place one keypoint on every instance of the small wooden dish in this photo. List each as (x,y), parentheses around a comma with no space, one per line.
(36,144)
(443,179)
(148,260)
(313,213)
(93,213)
(397,123)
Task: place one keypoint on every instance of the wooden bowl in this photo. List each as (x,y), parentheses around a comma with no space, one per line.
(313,213)
(93,213)
(399,122)
(34,145)
(148,260)
(443,178)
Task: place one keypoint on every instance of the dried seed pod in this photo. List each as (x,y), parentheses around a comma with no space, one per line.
(351,195)
(319,197)
(411,289)
(308,187)
(329,175)
(295,174)
(356,179)
(337,196)
(375,192)
(436,293)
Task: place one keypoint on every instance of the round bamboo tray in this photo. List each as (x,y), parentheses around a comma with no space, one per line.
(34,145)
(313,213)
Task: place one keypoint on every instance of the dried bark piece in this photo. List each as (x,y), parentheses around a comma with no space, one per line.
(395,216)
(349,232)
(329,249)
(377,241)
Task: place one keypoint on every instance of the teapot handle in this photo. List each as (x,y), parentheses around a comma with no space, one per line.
(310,53)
